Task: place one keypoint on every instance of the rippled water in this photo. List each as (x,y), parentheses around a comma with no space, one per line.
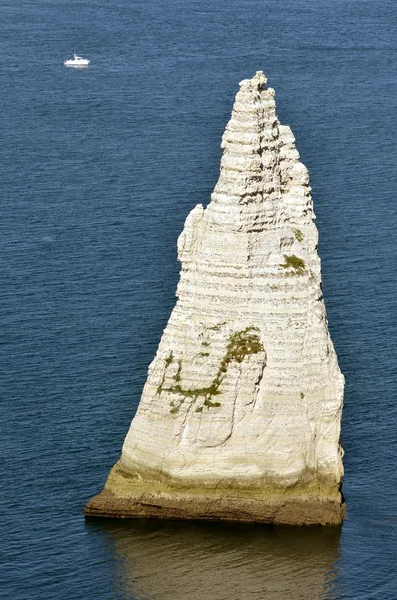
(99,168)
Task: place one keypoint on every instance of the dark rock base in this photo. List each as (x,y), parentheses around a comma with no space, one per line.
(289,511)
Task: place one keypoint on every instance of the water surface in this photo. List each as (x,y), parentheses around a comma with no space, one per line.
(99,168)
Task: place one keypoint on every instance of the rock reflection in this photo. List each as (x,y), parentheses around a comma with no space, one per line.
(178,561)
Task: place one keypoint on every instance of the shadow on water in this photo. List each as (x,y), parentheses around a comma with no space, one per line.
(201,561)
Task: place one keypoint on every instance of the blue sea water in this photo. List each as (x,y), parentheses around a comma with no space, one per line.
(99,168)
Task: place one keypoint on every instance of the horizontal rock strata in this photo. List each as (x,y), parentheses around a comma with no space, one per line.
(240,415)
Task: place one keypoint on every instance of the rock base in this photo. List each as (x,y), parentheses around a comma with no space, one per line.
(146,500)
(289,512)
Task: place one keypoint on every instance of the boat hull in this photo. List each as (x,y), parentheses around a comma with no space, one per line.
(73,63)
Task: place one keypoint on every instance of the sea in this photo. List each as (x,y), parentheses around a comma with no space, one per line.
(99,168)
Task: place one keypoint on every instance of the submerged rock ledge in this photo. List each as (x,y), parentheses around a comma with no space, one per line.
(240,416)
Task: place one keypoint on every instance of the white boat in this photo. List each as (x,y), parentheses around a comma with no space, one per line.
(76,61)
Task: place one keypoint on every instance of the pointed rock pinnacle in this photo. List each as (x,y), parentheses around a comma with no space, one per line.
(240,415)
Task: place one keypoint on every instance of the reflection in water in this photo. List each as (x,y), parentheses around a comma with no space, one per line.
(158,560)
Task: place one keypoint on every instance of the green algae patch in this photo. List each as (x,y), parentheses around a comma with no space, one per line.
(241,344)
(298,235)
(209,404)
(294,262)
(177,376)
(168,362)
(206,392)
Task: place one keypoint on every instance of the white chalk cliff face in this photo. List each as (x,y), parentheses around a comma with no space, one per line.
(243,399)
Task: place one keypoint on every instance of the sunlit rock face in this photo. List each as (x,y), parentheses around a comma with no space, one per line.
(240,415)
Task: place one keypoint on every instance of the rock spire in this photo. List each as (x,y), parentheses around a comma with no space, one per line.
(240,415)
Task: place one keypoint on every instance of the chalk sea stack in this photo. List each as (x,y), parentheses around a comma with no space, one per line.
(240,416)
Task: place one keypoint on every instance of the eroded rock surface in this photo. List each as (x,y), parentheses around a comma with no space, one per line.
(240,415)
